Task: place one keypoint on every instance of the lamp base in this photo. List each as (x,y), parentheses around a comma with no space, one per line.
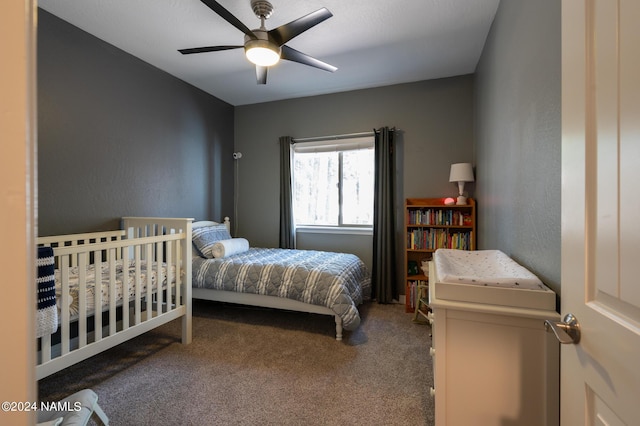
(462,200)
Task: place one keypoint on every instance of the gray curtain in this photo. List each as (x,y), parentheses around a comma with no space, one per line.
(383,276)
(287,228)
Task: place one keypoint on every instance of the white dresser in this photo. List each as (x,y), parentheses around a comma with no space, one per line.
(493,361)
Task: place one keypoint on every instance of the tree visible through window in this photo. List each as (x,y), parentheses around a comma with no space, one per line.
(333,182)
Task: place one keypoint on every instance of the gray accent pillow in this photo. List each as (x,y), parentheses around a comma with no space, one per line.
(204,238)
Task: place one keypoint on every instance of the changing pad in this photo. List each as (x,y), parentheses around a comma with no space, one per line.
(485,268)
(488,277)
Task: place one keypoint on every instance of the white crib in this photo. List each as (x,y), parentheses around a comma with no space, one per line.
(115,285)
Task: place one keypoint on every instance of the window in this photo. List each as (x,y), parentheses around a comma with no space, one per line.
(333,182)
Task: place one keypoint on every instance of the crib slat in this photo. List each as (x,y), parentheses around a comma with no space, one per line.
(125,292)
(64,308)
(97,299)
(149,298)
(169,275)
(82,296)
(74,261)
(178,262)
(137,286)
(112,291)
(45,348)
(144,232)
(159,257)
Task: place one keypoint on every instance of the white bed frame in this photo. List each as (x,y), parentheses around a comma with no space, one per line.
(142,238)
(265,301)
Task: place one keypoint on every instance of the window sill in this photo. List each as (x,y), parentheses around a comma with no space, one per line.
(343,230)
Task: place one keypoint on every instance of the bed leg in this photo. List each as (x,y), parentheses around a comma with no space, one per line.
(338,328)
(186,329)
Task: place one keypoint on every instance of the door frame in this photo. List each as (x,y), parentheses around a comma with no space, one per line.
(18,200)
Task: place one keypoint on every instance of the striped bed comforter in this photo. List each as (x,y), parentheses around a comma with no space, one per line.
(338,281)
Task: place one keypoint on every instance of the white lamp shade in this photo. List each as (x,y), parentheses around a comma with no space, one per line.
(461,172)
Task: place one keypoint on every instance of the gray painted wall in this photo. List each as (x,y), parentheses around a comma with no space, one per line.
(436,119)
(518,169)
(118,137)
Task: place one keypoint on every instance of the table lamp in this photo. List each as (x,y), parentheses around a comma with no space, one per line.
(461,173)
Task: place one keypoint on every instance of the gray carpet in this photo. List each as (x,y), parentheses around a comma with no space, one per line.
(252,366)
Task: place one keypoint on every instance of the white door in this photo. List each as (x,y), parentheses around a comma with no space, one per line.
(600,376)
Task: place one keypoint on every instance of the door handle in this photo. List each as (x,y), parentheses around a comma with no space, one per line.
(566,331)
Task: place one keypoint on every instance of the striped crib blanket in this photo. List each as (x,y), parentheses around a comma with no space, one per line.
(46,312)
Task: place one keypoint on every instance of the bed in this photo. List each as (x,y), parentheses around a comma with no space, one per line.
(228,270)
(97,290)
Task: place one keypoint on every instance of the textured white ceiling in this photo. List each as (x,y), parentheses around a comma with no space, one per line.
(372,42)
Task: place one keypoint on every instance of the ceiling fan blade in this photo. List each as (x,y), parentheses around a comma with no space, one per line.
(286,32)
(227,16)
(293,55)
(207,49)
(261,74)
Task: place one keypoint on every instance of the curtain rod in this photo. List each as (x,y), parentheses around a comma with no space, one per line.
(333,137)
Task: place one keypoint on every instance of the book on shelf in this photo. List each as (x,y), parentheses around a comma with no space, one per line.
(433,238)
(435,217)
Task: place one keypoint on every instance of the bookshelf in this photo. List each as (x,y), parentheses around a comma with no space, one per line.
(430,224)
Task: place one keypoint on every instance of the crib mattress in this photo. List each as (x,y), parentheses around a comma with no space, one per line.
(104,281)
(488,276)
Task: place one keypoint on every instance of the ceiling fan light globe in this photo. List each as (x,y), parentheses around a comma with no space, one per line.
(262,53)
(262,56)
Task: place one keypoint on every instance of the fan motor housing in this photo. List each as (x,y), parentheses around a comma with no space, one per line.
(262,8)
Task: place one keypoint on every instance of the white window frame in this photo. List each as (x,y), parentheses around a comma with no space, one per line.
(327,144)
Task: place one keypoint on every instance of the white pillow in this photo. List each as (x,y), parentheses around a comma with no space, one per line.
(226,248)
(202,223)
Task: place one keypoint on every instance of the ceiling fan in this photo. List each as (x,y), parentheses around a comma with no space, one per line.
(266,47)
